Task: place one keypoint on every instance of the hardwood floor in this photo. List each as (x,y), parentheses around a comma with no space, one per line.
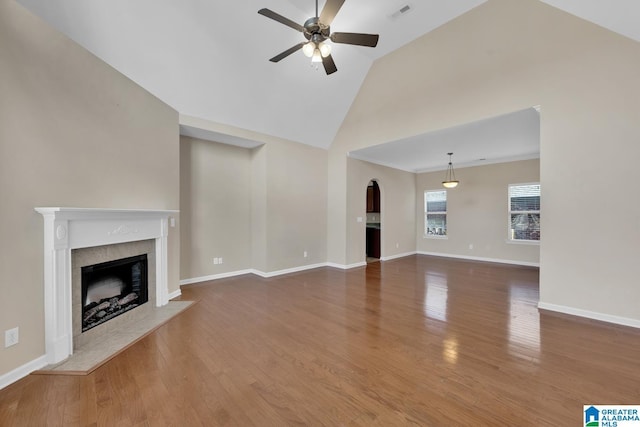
(415,341)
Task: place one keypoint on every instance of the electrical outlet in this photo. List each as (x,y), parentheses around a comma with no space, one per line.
(220,259)
(216,261)
(397,245)
(470,246)
(11,337)
(304,254)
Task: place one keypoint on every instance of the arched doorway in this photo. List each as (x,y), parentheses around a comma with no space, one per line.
(374,229)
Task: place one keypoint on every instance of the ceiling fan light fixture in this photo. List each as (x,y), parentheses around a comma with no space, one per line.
(317,31)
(325,49)
(317,56)
(308,49)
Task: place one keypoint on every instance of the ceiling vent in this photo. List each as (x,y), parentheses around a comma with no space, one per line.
(401,12)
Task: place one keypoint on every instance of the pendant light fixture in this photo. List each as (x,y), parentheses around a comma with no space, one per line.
(450,180)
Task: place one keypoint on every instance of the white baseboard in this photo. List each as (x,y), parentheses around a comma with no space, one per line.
(339,266)
(269,274)
(346,266)
(22,371)
(390,257)
(476,258)
(625,321)
(250,271)
(214,277)
(287,270)
(175,294)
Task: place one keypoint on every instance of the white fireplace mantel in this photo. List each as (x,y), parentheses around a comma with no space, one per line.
(72,228)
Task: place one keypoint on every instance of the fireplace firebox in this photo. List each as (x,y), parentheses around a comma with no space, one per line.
(112,288)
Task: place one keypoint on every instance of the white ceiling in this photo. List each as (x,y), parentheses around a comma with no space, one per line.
(514,136)
(620,16)
(208,59)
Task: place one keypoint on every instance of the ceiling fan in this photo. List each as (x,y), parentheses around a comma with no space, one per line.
(317,31)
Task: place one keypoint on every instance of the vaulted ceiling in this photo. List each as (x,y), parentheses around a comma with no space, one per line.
(209,60)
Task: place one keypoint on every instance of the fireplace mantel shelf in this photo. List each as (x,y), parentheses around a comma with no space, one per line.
(89,212)
(67,228)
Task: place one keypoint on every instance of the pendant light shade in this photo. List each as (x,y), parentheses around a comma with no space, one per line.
(450,180)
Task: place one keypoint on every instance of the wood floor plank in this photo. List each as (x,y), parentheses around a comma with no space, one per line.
(419,340)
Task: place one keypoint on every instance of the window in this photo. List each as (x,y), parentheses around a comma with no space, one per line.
(524,212)
(435,213)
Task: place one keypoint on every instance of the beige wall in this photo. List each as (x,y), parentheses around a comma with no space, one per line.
(296,205)
(73,132)
(504,56)
(477,212)
(215,207)
(397,210)
(258,209)
(337,205)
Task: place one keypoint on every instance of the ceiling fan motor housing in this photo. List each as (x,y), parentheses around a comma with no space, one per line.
(313,27)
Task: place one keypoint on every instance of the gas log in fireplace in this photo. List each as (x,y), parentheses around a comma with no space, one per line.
(113,288)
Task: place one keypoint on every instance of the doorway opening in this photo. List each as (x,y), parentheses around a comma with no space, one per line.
(374,228)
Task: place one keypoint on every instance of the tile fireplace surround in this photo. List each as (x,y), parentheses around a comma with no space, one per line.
(73,228)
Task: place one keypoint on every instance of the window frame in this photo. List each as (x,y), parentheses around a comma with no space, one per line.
(510,235)
(426,235)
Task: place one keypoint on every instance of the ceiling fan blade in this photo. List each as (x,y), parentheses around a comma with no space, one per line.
(329,11)
(370,40)
(281,19)
(287,52)
(329,65)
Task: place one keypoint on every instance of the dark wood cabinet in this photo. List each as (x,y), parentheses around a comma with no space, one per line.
(373,242)
(373,198)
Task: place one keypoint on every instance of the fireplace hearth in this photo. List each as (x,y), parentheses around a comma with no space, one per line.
(112,288)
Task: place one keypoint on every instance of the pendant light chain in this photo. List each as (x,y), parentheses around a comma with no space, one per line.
(452,173)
